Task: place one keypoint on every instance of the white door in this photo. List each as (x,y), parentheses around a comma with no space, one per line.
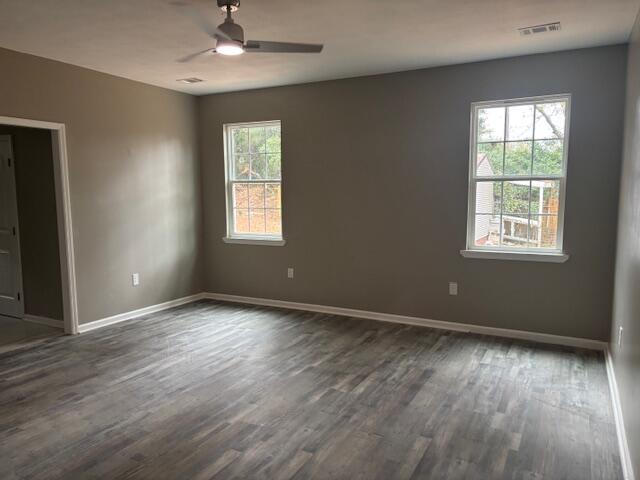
(11,299)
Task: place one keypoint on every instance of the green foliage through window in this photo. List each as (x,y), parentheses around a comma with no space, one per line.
(254,161)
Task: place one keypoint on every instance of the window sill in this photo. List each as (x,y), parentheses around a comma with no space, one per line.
(517,256)
(271,242)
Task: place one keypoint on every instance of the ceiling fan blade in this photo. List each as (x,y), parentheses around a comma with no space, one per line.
(200,20)
(190,57)
(261,46)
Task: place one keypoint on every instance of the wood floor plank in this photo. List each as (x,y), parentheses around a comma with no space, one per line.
(214,390)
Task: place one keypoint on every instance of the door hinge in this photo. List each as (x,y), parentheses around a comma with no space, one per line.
(9,162)
(18,296)
(14,231)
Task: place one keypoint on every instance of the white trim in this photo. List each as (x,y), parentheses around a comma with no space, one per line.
(26,122)
(43,320)
(228,173)
(63,209)
(422,322)
(625,456)
(122,317)
(350,312)
(275,242)
(522,256)
(510,102)
(473,179)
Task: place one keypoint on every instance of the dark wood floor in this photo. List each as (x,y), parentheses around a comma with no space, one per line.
(222,391)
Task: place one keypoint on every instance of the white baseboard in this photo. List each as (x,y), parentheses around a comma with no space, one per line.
(350,312)
(625,456)
(43,320)
(422,322)
(121,317)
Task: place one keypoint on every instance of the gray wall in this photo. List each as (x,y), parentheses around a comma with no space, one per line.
(133,164)
(39,248)
(375,195)
(626,299)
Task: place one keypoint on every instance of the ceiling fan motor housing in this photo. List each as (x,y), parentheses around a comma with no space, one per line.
(233,30)
(232,4)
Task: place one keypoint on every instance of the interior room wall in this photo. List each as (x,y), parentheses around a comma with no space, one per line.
(133,168)
(37,218)
(626,301)
(375,178)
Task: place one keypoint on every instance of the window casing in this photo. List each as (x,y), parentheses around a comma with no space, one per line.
(517,175)
(253,157)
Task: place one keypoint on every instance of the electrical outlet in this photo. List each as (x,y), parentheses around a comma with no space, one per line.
(620,329)
(135,279)
(289,272)
(453,288)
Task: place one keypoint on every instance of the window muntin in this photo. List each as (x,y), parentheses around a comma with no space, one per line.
(253,156)
(518,174)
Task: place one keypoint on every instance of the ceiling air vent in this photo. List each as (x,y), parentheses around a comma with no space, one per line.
(190,80)
(534,30)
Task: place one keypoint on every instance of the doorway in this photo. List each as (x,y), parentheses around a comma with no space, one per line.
(37,268)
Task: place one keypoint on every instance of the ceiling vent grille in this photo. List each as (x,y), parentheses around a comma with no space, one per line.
(536,29)
(190,80)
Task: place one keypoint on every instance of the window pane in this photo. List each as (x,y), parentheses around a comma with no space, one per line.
(273,195)
(241,220)
(273,139)
(257,140)
(514,144)
(258,167)
(274,221)
(517,158)
(240,195)
(550,119)
(257,220)
(273,166)
(253,159)
(240,137)
(256,195)
(544,229)
(487,230)
(547,157)
(515,231)
(488,197)
(489,159)
(241,167)
(545,197)
(515,196)
(520,122)
(550,197)
(491,124)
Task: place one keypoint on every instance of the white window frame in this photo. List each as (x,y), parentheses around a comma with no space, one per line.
(557,254)
(247,238)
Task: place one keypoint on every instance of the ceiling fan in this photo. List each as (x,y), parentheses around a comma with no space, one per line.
(229,35)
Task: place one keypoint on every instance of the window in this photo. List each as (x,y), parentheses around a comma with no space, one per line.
(518,174)
(253,161)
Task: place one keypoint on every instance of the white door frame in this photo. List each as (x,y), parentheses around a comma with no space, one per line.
(63,209)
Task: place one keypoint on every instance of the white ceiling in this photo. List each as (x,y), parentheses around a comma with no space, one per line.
(141,39)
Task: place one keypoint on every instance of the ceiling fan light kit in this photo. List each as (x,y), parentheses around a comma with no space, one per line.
(229,36)
(229,47)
